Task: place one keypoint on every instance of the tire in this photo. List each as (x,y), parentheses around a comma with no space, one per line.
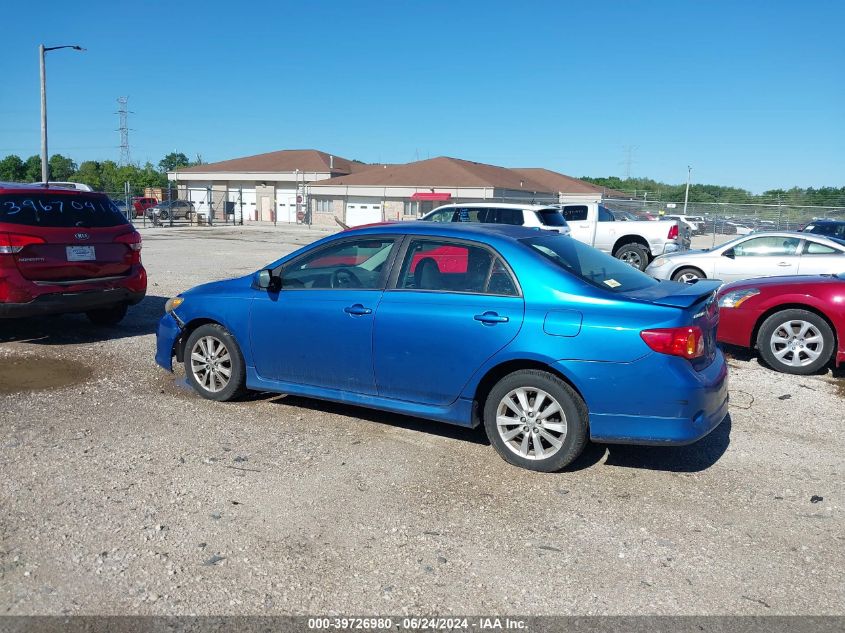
(107,316)
(687,275)
(189,216)
(570,420)
(796,342)
(210,380)
(164,216)
(633,253)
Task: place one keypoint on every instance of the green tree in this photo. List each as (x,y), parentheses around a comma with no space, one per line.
(89,173)
(12,169)
(61,167)
(32,169)
(173,161)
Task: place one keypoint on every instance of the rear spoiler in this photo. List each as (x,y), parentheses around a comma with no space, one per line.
(676,294)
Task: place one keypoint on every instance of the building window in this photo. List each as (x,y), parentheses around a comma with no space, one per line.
(412,208)
(324,206)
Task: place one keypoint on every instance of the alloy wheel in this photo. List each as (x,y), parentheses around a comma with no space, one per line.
(531,423)
(797,343)
(211,363)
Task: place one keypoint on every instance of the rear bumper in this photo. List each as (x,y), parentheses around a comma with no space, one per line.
(66,302)
(660,401)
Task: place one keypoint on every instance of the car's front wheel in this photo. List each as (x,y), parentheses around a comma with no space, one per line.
(633,253)
(688,275)
(795,341)
(536,421)
(214,364)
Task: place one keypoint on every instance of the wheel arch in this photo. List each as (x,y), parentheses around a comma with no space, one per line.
(793,306)
(190,326)
(627,239)
(497,372)
(684,266)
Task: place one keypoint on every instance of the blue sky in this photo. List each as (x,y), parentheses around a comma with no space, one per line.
(750,94)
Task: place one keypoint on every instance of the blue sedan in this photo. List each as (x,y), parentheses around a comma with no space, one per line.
(544,340)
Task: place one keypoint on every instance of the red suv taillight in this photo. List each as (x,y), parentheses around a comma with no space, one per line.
(673,232)
(11,243)
(686,342)
(133,241)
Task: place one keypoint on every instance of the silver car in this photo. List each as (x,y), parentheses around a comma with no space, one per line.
(769,254)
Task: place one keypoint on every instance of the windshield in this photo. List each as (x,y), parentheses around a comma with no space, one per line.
(56,210)
(551,217)
(590,264)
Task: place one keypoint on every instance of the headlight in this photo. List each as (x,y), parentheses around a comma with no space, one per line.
(659,261)
(736,298)
(172,304)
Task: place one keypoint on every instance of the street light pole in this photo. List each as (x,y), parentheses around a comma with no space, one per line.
(42,50)
(686,194)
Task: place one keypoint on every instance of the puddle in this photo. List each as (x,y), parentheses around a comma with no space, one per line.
(32,373)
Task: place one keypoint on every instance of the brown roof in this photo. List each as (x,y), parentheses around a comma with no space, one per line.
(442,171)
(566,184)
(287,160)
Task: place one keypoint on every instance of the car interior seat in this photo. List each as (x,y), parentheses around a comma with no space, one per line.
(427,275)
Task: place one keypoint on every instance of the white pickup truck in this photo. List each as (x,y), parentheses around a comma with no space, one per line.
(635,242)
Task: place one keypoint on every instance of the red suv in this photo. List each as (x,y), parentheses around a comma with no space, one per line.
(67,251)
(142,204)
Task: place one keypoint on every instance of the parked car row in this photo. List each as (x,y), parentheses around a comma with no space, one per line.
(479,317)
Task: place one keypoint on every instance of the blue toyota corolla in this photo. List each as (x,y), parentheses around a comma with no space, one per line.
(546,341)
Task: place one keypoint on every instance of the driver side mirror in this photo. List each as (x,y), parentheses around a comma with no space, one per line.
(268,281)
(729,253)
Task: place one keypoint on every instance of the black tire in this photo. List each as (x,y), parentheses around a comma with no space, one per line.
(685,275)
(164,216)
(107,316)
(574,418)
(809,354)
(234,363)
(633,253)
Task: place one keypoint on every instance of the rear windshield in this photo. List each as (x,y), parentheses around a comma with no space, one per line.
(590,264)
(56,210)
(551,217)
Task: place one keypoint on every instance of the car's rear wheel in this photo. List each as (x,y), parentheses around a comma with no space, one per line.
(535,420)
(688,275)
(795,341)
(633,253)
(214,364)
(107,316)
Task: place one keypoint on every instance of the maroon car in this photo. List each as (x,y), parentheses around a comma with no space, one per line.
(796,323)
(63,250)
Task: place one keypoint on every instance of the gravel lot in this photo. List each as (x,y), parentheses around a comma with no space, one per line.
(123,492)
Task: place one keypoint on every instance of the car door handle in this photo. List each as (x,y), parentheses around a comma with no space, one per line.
(784,264)
(357,310)
(490,318)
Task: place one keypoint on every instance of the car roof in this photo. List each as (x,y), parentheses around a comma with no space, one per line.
(468,230)
(497,205)
(800,235)
(32,187)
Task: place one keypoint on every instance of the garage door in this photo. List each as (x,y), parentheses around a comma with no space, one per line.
(363,211)
(240,199)
(199,196)
(285,205)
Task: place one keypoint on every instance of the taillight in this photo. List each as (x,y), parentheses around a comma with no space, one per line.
(11,243)
(133,241)
(673,232)
(686,342)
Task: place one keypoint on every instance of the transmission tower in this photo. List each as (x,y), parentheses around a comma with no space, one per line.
(629,159)
(123,112)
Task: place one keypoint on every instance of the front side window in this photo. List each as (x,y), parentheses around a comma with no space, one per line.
(454,267)
(590,264)
(351,264)
(770,246)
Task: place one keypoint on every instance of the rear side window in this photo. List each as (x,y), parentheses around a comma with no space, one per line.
(605,215)
(450,267)
(575,213)
(57,210)
(551,217)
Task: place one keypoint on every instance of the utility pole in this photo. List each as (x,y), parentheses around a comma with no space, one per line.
(42,50)
(686,193)
(629,160)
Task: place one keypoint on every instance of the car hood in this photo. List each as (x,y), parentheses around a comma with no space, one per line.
(223,287)
(791,280)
